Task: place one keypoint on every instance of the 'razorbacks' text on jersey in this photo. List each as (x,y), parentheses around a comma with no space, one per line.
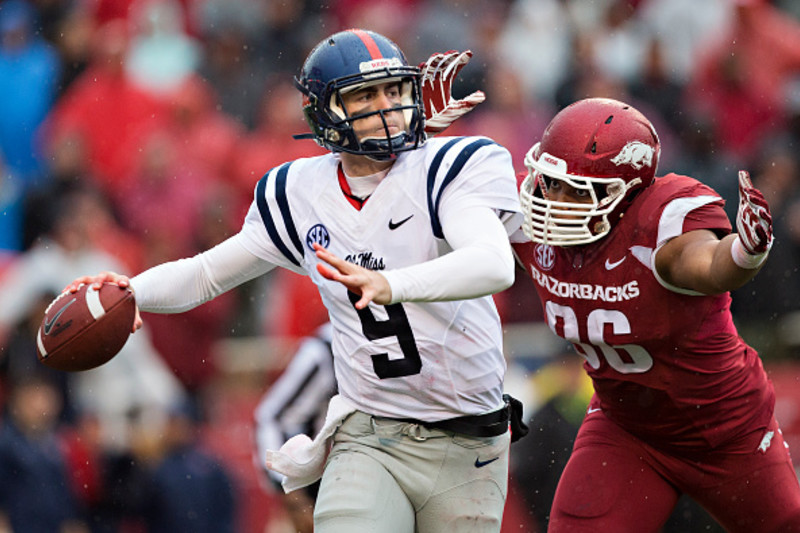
(665,362)
(396,360)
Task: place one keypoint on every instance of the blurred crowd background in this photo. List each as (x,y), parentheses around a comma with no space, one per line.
(133,132)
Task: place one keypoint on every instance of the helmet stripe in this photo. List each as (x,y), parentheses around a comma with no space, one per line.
(369,42)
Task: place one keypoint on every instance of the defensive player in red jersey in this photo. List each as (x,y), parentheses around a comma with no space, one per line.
(635,271)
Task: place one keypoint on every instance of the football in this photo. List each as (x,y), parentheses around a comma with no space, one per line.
(85,329)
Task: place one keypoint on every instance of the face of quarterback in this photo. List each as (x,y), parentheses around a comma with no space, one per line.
(381,97)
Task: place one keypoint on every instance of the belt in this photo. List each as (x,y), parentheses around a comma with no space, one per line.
(489,425)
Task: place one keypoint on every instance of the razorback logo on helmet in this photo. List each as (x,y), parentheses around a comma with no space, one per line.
(635,153)
(382,62)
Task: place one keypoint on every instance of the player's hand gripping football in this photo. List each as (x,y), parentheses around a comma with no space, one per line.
(98,280)
(438,73)
(371,286)
(753,224)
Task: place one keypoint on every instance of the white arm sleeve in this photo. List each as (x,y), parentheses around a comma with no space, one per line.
(181,285)
(481,262)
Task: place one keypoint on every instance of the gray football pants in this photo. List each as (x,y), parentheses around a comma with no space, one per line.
(388,476)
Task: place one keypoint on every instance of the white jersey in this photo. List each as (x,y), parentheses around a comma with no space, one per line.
(429,361)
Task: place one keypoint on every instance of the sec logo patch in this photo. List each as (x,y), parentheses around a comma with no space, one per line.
(545,256)
(318,234)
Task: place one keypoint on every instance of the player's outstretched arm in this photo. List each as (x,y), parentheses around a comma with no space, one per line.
(438,74)
(699,261)
(97,281)
(370,285)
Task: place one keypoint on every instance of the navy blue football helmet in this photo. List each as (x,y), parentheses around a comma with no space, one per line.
(351,60)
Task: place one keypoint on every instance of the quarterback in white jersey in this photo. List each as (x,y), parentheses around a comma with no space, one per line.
(397,360)
(406,238)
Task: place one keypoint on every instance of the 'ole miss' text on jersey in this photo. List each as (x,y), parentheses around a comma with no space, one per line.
(397,360)
(666,363)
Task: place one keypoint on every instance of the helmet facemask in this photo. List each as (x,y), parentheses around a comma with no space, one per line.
(332,126)
(568,223)
(384,147)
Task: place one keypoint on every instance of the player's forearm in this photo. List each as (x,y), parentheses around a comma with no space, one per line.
(480,264)
(729,275)
(459,275)
(182,285)
(718,272)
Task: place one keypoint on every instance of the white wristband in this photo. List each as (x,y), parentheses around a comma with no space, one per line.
(743,258)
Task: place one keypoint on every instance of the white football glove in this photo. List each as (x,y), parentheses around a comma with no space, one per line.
(753,224)
(438,73)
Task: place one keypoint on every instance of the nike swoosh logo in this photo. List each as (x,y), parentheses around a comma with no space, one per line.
(395,225)
(481,464)
(48,324)
(592,410)
(612,266)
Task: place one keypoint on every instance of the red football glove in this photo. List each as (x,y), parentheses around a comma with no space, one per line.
(438,73)
(753,223)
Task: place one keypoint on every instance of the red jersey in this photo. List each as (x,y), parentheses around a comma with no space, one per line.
(667,364)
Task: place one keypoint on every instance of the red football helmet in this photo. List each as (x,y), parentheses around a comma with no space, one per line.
(598,145)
